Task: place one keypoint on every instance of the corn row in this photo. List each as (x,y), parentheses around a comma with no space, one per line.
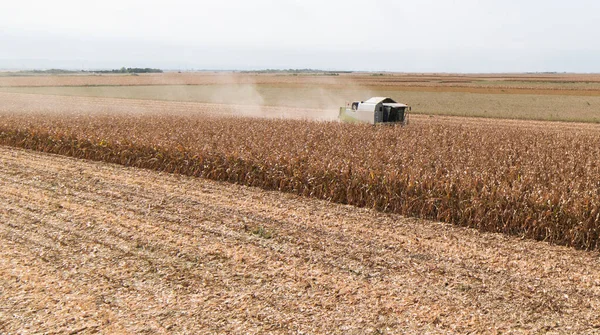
(536,182)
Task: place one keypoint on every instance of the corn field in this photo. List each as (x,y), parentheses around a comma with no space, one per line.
(534,180)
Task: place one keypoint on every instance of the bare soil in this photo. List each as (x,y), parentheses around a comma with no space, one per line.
(92,247)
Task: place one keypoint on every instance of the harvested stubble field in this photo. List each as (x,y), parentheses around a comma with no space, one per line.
(26,104)
(488,105)
(542,97)
(90,247)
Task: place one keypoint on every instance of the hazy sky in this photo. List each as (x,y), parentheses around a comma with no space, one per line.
(376,35)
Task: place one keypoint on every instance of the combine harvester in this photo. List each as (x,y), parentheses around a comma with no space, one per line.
(375,111)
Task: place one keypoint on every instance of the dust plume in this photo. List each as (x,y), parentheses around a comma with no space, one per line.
(305,96)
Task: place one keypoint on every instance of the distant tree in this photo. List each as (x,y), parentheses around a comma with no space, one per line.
(131,70)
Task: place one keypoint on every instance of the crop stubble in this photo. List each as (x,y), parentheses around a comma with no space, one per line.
(565,97)
(92,247)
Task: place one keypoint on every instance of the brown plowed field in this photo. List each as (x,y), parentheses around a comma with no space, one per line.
(542,84)
(93,247)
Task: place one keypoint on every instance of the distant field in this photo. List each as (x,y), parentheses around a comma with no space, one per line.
(513,106)
(470,82)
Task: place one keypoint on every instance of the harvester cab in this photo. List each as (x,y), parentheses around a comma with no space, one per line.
(377,110)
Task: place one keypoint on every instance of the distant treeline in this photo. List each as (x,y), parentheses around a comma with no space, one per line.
(49,71)
(130,70)
(298,71)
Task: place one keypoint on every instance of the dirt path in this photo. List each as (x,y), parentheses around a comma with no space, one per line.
(92,247)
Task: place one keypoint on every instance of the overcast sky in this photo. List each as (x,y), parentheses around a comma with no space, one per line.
(375,35)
